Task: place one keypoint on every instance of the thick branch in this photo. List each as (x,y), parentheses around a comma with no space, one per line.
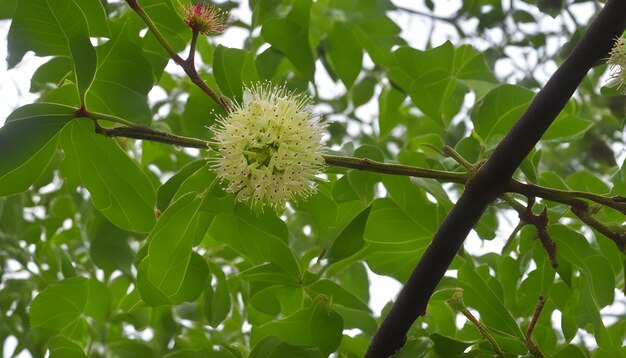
(492,178)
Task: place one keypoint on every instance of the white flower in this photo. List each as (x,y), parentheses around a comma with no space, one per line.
(617,65)
(269,147)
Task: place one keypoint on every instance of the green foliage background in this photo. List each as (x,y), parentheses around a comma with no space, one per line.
(107,248)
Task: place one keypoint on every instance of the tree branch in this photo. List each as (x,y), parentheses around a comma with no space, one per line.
(579,207)
(493,177)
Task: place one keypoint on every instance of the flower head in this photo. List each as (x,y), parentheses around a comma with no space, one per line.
(269,147)
(617,64)
(205,19)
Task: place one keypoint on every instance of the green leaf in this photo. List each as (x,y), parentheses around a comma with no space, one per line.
(274,347)
(268,272)
(109,247)
(52,28)
(478,294)
(131,348)
(377,34)
(259,239)
(427,78)
(167,19)
(362,91)
(389,115)
(7,7)
(53,72)
(318,326)
(199,114)
(96,17)
(290,35)
(345,54)
(233,69)
(399,229)
(597,271)
(217,301)
(63,305)
(447,346)
(585,181)
(350,240)
(569,351)
(278,299)
(117,185)
(28,141)
(338,294)
(416,347)
(503,106)
(329,219)
(61,347)
(389,224)
(435,78)
(168,270)
(166,192)
(123,79)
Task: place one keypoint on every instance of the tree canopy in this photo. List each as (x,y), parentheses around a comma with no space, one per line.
(170,194)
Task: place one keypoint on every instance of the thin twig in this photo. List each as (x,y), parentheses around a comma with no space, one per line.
(566,196)
(528,338)
(395,169)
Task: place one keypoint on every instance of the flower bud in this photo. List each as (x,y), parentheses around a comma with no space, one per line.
(205,19)
(269,147)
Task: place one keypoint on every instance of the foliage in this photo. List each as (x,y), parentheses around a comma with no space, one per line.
(117,243)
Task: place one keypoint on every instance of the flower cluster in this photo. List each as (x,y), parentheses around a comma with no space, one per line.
(617,63)
(269,147)
(205,19)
